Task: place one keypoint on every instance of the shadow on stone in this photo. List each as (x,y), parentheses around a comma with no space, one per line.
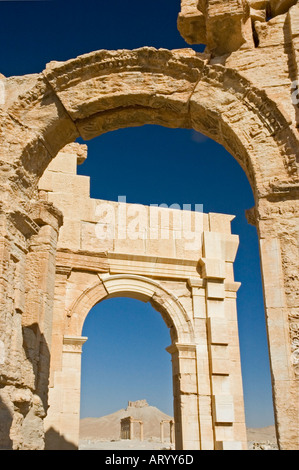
(5,424)
(54,441)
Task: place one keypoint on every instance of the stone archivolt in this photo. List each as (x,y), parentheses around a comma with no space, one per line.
(241,92)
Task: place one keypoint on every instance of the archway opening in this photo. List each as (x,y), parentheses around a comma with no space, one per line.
(126,371)
(156,165)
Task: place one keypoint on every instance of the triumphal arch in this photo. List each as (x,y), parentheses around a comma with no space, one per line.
(62,252)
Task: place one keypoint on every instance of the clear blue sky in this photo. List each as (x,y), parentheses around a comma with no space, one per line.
(149,165)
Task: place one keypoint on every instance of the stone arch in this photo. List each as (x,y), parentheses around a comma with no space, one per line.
(66,374)
(103,91)
(141,288)
(106,90)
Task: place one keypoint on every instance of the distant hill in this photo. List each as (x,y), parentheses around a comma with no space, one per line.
(266,434)
(108,427)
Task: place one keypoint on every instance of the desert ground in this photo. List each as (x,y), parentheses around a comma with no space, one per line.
(104,433)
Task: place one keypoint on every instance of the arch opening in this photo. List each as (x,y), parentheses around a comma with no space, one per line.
(124,360)
(226,190)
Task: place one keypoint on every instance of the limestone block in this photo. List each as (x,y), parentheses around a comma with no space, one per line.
(216,308)
(204,385)
(224,432)
(228,26)
(169,217)
(272,271)
(125,246)
(222,384)
(223,409)
(270,34)
(228,445)
(215,290)
(229,272)
(70,235)
(205,405)
(63,163)
(220,361)
(166,246)
(230,309)
(46,181)
(220,246)
(200,330)
(199,306)
(189,246)
(224,27)
(212,268)
(192,23)
(188,412)
(74,206)
(239,411)
(218,330)
(220,222)
(188,384)
(240,433)
(257,15)
(276,322)
(71,184)
(91,242)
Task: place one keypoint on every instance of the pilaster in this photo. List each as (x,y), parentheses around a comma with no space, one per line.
(222,337)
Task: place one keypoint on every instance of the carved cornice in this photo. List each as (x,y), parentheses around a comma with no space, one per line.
(182,348)
(45,213)
(73,344)
(68,260)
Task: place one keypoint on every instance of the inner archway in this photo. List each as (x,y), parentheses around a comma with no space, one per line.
(124,359)
(64,418)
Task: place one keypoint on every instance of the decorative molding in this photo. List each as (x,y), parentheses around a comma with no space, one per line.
(73,344)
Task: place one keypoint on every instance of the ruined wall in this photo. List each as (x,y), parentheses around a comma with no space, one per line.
(182,263)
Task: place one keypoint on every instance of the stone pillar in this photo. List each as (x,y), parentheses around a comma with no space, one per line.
(198,292)
(52,420)
(131,428)
(39,289)
(185,393)
(28,269)
(141,430)
(59,313)
(127,428)
(227,407)
(16,381)
(277,221)
(171,432)
(64,420)
(162,431)
(71,387)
